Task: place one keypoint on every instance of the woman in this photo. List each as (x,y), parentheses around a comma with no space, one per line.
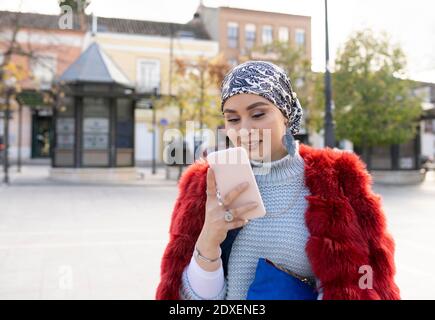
(323,221)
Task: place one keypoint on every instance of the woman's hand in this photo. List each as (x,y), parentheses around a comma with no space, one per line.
(215,228)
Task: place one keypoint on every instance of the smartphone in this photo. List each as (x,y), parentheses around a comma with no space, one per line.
(232,167)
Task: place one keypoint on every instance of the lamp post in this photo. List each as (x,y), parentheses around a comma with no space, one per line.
(155,94)
(20,135)
(329,122)
(10,86)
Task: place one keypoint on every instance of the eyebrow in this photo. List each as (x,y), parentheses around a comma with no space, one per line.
(251,106)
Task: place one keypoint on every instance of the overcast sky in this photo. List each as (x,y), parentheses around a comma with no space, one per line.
(410,23)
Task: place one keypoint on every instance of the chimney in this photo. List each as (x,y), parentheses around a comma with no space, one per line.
(197,15)
(196,18)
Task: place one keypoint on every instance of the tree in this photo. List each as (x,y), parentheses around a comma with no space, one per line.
(374,105)
(298,67)
(13,73)
(197,96)
(10,76)
(198,85)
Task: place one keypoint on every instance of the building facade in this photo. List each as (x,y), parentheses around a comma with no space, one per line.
(427,124)
(241,32)
(146,51)
(47,52)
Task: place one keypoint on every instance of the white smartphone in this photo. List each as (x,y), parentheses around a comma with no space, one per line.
(232,167)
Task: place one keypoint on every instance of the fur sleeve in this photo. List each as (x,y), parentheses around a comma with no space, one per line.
(186,224)
(356,184)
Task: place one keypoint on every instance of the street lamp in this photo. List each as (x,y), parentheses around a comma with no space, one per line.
(155,95)
(329,122)
(10,88)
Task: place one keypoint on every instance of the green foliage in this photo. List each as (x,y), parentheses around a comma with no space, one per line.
(373,105)
(197,84)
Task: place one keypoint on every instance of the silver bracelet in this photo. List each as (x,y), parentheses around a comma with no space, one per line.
(205,259)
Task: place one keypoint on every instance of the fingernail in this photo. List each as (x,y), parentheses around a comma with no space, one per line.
(254,204)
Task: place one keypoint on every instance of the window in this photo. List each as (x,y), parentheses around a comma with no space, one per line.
(423,93)
(283,34)
(65,133)
(381,158)
(407,156)
(44,69)
(429,126)
(124,132)
(249,36)
(233,34)
(96,127)
(267,36)
(300,37)
(185,34)
(148,75)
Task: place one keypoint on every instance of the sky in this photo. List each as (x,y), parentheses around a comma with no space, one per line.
(410,24)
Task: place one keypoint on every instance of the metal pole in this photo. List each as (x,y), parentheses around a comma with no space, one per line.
(20,135)
(201,102)
(171,58)
(180,165)
(6,138)
(329,124)
(154,134)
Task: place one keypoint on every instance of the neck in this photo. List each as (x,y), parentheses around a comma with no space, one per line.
(279,154)
(283,169)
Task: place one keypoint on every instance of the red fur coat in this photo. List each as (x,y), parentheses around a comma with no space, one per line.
(344,217)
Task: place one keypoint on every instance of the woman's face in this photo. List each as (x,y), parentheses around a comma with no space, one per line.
(254,123)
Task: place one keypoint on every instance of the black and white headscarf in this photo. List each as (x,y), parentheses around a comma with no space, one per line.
(268,81)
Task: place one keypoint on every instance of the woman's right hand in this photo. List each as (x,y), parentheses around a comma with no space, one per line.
(215,228)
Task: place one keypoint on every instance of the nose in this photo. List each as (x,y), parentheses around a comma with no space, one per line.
(246,126)
(248,132)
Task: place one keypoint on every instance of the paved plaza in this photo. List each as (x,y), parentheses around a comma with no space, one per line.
(71,241)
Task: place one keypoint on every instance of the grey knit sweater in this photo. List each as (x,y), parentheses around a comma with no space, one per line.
(280,235)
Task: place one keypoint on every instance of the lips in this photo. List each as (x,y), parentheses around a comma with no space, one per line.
(252,144)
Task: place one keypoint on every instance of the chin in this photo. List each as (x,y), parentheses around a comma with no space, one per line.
(254,155)
(258,153)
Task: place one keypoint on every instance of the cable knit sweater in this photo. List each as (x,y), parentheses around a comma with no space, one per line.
(280,235)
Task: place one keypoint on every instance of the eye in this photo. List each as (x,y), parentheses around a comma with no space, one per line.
(233,120)
(258,115)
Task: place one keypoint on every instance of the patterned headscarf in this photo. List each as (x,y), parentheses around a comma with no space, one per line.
(268,81)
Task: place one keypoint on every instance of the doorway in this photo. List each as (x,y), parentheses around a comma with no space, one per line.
(41,136)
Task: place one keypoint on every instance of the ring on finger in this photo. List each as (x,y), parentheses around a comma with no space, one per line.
(228,216)
(219,198)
